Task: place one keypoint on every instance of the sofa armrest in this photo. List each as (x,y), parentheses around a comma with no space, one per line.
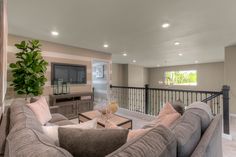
(211,141)
(54,109)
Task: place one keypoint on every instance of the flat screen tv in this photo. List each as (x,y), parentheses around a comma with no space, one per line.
(70,73)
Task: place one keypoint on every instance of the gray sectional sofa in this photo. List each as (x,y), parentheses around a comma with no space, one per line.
(194,134)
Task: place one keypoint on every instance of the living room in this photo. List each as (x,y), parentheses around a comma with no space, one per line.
(135,73)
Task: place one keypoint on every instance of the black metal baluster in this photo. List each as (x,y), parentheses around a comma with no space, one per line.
(218,104)
(187,99)
(191,97)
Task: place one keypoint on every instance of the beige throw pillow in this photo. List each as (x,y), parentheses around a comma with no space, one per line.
(41,110)
(167,115)
(52,131)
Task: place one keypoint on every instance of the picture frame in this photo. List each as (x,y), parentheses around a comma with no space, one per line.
(99,71)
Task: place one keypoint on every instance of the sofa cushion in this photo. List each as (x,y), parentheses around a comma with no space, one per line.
(41,110)
(91,142)
(22,117)
(4,130)
(63,122)
(157,142)
(187,133)
(31,143)
(57,117)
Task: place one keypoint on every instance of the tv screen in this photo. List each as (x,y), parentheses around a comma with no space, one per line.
(74,74)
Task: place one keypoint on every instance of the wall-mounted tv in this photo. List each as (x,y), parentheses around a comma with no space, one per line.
(70,73)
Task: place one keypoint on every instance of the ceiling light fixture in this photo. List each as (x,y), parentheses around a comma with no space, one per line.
(165,25)
(158,65)
(125,54)
(196,62)
(105,45)
(54,33)
(176,43)
(134,61)
(180,54)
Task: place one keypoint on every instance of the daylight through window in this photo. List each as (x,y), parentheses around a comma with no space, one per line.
(188,77)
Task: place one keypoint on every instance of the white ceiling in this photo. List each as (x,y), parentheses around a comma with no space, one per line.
(203,27)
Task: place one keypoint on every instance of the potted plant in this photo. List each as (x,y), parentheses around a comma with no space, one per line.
(29,70)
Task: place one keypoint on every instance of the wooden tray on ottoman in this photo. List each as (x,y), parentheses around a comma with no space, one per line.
(116,119)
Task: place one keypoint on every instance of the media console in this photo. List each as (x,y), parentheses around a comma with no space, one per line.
(70,105)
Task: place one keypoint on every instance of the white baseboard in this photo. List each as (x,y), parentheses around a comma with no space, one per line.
(227,137)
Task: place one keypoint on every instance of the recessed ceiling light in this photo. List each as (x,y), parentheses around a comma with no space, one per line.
(134,61)
(180,54)
(158,65)
(124,54)
(165,25)
(106,45)
(176,43)
(54,33)
(196,62)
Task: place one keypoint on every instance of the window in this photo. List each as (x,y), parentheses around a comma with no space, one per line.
(188,78)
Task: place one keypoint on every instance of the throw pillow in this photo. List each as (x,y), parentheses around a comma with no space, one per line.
(132,133)
(178,105)
(91,142)
(41,110)
(167,116)
(52,131)
(136,133)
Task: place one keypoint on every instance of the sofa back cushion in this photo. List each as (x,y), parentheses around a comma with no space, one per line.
(23,117)
(204,117)
(31,143)
(158,141)
(4,129)
(187,133)
(203,111)
(26,137)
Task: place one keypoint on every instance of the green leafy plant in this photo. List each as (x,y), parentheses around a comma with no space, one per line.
(29,70)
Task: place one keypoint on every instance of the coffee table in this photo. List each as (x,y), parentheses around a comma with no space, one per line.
(116,119)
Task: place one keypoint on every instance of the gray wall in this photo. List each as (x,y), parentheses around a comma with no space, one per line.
(119,74)
(210,76)
(137,76)
(129,75)
(230,75)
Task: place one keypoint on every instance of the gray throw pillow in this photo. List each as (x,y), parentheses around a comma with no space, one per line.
(91,142)
(178,106)
(4,130)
